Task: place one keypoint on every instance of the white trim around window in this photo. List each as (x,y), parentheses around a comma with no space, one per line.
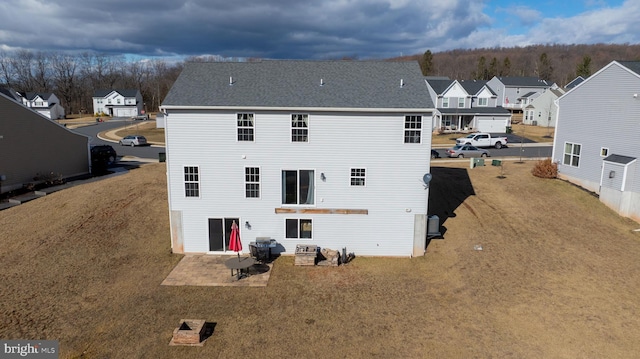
(357,177)
(604,151)
(445,102)
(252,182)
(191,181)
(571,155)
(412,129)
(298,228)
(245,126)
(483,102)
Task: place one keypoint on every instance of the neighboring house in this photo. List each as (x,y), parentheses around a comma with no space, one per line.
(516,93)
(575,82)
(543,110)
(118,103)
(596,139)
(326,153)
(466,106)
(35,148)
(45,103)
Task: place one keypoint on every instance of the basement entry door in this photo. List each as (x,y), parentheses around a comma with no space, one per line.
(220,232)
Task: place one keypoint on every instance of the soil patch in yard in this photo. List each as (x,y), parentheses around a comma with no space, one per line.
(557,277)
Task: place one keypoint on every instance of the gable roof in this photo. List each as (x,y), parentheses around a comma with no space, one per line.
(631,65)
(123,92)
(440,85)
(473,87)
(523,81)
(575,82)
(301,84)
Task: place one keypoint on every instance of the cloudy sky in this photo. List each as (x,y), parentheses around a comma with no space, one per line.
(321,29)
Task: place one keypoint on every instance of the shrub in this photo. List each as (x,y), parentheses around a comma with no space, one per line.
(545,169)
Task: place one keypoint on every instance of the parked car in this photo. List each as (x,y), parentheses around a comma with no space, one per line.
(104,154)
(434,154)
(481,139)
(466,151)
(133,140)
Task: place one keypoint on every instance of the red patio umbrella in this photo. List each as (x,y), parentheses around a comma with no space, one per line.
(234,239)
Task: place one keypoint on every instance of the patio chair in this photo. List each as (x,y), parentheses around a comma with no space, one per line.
(255,254)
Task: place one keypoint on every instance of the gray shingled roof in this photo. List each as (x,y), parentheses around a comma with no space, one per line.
(474,86)
(631,65)
(123,92)
(619,159)
(523,81)
(297,84)
(439,85)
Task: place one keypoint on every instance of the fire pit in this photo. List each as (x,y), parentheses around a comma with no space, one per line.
(306,255)
(190,332)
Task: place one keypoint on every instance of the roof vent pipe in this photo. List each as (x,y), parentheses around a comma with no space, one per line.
(401,82)
(230,80)
(321,82)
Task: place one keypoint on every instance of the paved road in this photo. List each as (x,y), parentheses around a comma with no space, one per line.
(514,150)
(526,149)
(149,152)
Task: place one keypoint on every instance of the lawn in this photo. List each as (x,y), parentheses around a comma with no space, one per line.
(534,133)
(557,277)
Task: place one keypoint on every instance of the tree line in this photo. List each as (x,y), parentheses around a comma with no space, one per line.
(75,78)
(556,63)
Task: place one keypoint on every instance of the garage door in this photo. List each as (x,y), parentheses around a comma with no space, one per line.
(492,125)
(125,112)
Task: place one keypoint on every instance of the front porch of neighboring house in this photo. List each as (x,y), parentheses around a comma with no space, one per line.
(456,124)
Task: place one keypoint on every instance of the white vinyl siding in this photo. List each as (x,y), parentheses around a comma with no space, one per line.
(334,151)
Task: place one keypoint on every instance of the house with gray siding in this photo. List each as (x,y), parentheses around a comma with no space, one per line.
(34,148)
(516,92)
(596,140)
(326,153)
(543,110)
(466,106)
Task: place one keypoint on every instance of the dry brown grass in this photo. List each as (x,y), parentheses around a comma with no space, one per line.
(534,133)
(145,128)
(557,278)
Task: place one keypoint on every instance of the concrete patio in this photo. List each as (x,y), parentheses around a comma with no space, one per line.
(209,270)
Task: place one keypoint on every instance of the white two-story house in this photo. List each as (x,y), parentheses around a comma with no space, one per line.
(118,103)
(45,103)
(543,110)
(466,106)
(326,153)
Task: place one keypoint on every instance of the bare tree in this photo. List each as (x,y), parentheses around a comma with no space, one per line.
(65,80)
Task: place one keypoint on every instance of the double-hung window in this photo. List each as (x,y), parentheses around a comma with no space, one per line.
(298,228)
(412,128)
(298,187)
(357,177)
(300,128)
(245,127)
(252,182)
(461,102)
(445,102)
(572,154)
(191,181)
(483,101)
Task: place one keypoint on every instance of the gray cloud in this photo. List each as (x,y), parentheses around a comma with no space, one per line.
(287,28)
